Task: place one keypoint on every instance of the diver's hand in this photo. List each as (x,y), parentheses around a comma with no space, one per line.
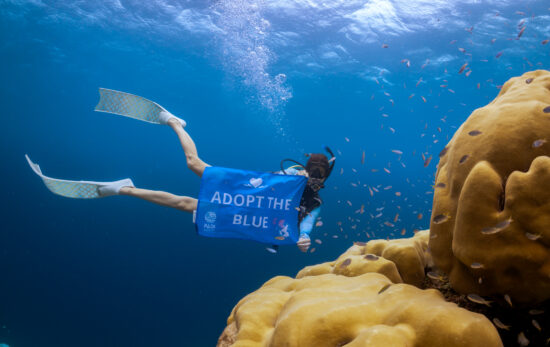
(304,243)
(301,172)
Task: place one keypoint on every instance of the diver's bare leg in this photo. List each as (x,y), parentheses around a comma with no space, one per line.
(193,161)
(183,203)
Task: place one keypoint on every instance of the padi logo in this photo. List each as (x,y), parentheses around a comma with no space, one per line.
(255,183)
(210,221)
(210,217)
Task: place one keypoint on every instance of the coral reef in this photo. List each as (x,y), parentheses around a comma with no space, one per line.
(358,300)
(491,211)
(400,260)
(366,310)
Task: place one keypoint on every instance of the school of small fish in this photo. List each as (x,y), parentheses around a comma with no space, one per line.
(378,197)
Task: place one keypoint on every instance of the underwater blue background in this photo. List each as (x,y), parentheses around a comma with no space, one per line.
(256,81)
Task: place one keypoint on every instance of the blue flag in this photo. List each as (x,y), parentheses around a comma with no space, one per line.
(249,205)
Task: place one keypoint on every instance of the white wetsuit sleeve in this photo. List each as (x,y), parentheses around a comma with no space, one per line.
(308,222)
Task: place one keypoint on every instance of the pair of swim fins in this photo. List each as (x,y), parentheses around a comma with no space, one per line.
(119,103)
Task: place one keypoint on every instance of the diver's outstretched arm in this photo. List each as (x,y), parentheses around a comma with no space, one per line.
(183,203)
(193,161)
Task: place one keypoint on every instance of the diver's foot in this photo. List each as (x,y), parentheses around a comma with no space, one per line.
(171,120)
(113,188)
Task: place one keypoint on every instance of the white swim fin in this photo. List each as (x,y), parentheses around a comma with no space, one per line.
(80,189)
(133,106)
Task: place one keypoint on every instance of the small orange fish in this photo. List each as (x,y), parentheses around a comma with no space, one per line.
(385,46)
(500,325)
(478,86)
(544,42)
(451,91)
(476,265)
(536,325)
(462,68)
(396,217)
(508,300)
(493,41)
(520,33)
(403,232)
(478,299)
(499,54)
(468,73)
(424,99)
(533,237)
(280,238)
(462,50)
(425,64)
(497,228)
(427,162)
(363,158)
(434,276)
(452,42)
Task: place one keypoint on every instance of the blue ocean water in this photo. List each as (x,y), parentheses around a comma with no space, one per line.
(256,81)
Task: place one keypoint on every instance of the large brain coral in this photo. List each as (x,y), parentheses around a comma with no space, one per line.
(366,310)
(490,227)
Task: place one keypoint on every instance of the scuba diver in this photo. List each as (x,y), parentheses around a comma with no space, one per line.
(316,170)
